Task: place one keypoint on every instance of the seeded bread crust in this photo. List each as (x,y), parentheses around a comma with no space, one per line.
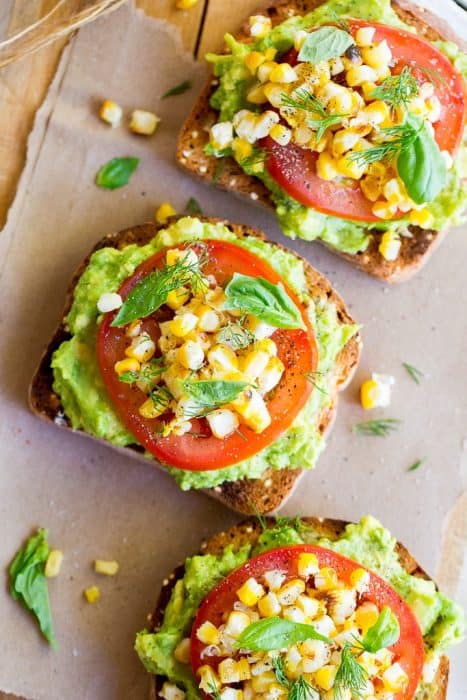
(414,251)
(247,532)
(262,495)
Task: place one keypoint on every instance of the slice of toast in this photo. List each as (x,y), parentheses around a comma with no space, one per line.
(247,532)
(262,495)
(194,136)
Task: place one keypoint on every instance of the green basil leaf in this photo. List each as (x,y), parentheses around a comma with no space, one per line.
(421,165)
(193,207)
(384,633)
(276,633)
(214,392)
(268,302)
(116,173)
(28,583)
(325,43)
(177,89)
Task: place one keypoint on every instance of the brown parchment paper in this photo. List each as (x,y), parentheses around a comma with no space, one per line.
(97,503)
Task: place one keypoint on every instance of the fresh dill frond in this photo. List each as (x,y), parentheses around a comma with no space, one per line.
(312,378)
(379,427)
(304,100)
(350,675)
(154,369)
(235,336)
(278,668)
(161,398)
(416,465)
(300,689)
(416,374)
(255,161)
(433,75)
(341,22)
(397,90)
(399,138)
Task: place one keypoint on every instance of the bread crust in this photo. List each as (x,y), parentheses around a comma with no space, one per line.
(415,250)
(247,532)
(263,495)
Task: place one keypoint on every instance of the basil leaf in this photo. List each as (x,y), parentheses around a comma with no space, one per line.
(28,583)
(116,173)
(384,633)
(268,302)
(276,633)
(325,43)
(421,165)
(177,89)
(193,207)
(214,392)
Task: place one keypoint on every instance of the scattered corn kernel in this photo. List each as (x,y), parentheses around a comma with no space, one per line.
(366,616)
(290,591)
(236,623)
(280,134)
(92,594)
(299,39)
(360,580)
(326,167)
(53,563)
(269,605)
(221,135)
(384,210)
(142,348)
(164,212)
(390,245)
(358,75)
(256,95)
(242,149)
(377,56)
(376,392)
(208,633)
(111,112)
(130,364)
(209,679)
(250,592)
(108,568)
(170,691)
(231,671)
(143,122)
(191,355)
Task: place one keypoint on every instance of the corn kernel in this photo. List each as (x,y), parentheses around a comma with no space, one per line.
(259,26)
(111,112)
(344,140)
(384,210)
(293,659)
(269,605)
(209,679)
(53,563)
(377,56)
(181,325)
(260,684)
(177,297)
(364,36)
(395,678)
(326,579)
(254,363)
(191,355)
(294,613)
(153,409)
(253,60)
(271,376)
(182,651)
(250,592)
(326,167)
(231,671)
(367,89)
(208,633)
(236,623)
(274,579)
(108,568)
(223,358)
(143,122)
(366,616)
(390,245)
(308,564)
(371,187)
(325,676)
(290,591)
(270,53)
(142,348)
(252,409)
(377,113)
(242,149)
(133,329)
(360,580)
(130,364)
(185,4)
(164,212)
(264,72)
(349,167)
(310,606)
(92,594)
(283,73)
(256,95)
(421,217)
(358,75)
(280,134)
(221,135)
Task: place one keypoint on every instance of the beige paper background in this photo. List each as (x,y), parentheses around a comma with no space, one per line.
(97,503)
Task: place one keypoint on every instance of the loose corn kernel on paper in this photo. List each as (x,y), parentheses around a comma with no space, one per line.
(99,504)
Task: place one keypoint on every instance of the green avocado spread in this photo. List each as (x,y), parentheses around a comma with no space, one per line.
(77,379)
(442,621)
(295,219)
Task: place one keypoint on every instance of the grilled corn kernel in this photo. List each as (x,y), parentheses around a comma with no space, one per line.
(222,422)
(421,217)
(108,568)
(222,358)
(252,409)
(53,563)
(358,75)
(270,53)
(264,71)
(395,678)
(360,580)
(208,633)
(325,677)
(274,579)
(336,66)
(250,592)
(430,667)
(364,36)
(142,348)
(164,212)
(177,297)
(271,376)
(376,392)
(315,653)
(366,616)
(269,605)
(326,167)
(341,604)
(92,594)
(170,691)
(182,651)
(254,363)
(231,694)
(283,73)
(152,409)
(367,90)
(260,329)
(174,255)
(221,135)
(130,364)
(371,187)
(294,613)
(326,579)
(280,134)
(377,113)
(384,210)
(256,95)
(185,4)
(349,167)
(242,149)
(133,329)
(260,684)
(299,39)
(259,26)
(390,245)
(290,591)
(209,679)
(253,60)
(293,659)
(343,141)
(208,319)
(111,112)
(236,623)
(307,564)
(231,671)
(181,325)
(310,606)
(377,56)
(191,355)
(109,301)
(143,122)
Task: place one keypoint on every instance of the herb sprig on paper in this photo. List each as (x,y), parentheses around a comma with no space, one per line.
(177,89)
(379,427)
(416,374)
(116,172)
(416,465)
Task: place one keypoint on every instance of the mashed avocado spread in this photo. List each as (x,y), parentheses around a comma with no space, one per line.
(78,382)
(367,542)
(295,219)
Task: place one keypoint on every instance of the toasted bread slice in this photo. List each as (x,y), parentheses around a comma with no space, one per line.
(194,136)
(248,531)
(247,495)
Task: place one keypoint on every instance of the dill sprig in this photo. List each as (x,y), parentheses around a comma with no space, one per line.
(255,161)
(154,369)
(304,100)
(312,378)
(235,336)
(415,373)
(213,691)
(193,207)
(379,427)
(416,465)
(399,137)
(350,675)
(397,90)
(161,398)
(300,689)
(278,668)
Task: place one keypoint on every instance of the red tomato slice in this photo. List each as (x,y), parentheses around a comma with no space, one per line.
(294,168)
(296,348)
(408,649)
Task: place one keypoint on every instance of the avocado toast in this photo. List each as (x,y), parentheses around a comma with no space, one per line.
(68,388)
(368,543)
(391,250)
